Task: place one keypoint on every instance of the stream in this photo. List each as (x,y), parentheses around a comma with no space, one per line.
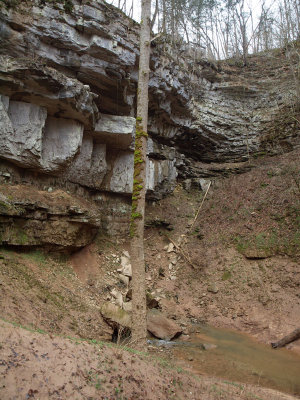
(236,357)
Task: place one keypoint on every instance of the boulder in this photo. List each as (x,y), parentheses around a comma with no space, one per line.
(204,184)
(170,248)
(127,306)
(115,316)
(124,279)
(126,268)
(152,302)
(213,288)
(162,327)
(118,297)
(253,253)
(208,346)
(157,324)
(187,184)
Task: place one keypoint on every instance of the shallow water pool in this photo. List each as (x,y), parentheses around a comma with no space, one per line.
(239,358)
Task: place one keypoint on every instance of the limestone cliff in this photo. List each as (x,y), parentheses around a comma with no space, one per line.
(67,104)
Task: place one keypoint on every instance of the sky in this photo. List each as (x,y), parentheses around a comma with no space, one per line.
(136,7)
(255,5)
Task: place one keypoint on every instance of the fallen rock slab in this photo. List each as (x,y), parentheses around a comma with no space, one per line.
(157,324)
(115,316)
(257,254)
(161,327)
(208,346)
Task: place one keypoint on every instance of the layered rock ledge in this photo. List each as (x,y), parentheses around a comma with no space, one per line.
(67,105)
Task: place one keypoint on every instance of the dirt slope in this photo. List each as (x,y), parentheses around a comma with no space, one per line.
(244,247)
(39,366)
(42,292)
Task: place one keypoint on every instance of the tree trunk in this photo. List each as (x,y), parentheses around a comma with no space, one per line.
(139,310)
(287,339)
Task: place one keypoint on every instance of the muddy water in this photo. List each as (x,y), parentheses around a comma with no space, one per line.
(238,358)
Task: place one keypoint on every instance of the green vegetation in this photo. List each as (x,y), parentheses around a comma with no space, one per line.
(270,243)
(139,165)
(93,379)
(22,237)
(226,275)
(27,328)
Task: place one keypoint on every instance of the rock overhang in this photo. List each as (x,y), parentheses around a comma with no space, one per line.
(82,84)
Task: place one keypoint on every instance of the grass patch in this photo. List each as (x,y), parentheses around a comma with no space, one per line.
(26,328)
(238,385)
(36,256)
(270,243)
(226,275)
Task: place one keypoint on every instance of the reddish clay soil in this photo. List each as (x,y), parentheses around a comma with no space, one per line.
(244,250)
(41,366)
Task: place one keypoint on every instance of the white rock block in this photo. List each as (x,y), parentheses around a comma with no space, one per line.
(124,279)
(116,131)
(127,306)
(21,131)
(170,248)
(61,142)
(89,166)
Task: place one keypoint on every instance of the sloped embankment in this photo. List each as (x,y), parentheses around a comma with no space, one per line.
(35,365)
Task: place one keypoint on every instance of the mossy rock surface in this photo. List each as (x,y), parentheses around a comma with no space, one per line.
(114,315)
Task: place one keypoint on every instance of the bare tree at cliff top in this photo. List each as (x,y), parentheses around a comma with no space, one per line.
(139,309)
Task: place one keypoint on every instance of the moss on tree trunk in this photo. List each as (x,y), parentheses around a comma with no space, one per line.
(139,309)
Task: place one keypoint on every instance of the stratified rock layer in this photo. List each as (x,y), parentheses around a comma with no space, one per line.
(68,86)
(57,220)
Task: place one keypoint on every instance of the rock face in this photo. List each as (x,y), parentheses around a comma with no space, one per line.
(89,166)
(117,132)
(21,131)
(61,142)
(53,220)
(32,140)
(100,159)
(68,84)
